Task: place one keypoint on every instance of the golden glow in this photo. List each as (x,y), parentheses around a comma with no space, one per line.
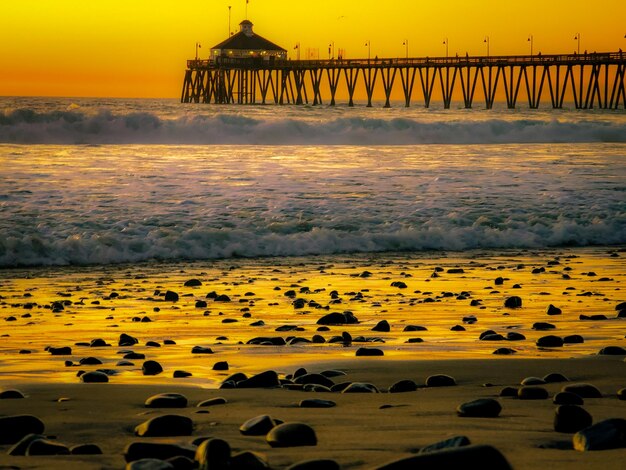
(139,48)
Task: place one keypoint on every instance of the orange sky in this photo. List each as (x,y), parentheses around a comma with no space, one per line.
(138,48)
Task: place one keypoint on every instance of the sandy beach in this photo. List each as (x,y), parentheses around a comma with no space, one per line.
(446,300)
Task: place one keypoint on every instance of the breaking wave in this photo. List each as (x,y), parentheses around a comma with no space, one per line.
(73,126)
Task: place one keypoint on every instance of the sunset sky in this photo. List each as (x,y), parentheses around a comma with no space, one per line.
(138,48)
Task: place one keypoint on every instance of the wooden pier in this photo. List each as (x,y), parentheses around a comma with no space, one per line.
(588,81)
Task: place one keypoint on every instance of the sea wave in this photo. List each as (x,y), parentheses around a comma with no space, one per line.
(197,243)
(74,126)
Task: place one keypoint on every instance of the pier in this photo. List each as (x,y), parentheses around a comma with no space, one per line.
(594,80)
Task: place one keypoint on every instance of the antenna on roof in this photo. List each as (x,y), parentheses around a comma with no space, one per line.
(247,1)
(229,33)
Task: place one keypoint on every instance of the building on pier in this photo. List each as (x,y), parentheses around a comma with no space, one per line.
(246,44)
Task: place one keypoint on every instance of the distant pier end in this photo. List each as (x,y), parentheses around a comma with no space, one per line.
(248,69)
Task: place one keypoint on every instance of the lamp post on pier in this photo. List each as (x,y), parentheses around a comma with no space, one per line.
(486,41)
(577,38)
(406,44)
(369,49)
(445,43)
(198,46)
(331,48)
(530,40)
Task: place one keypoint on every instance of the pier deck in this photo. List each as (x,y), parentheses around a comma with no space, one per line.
(594,80)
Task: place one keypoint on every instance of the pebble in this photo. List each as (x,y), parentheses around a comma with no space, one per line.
(550,341)
(46,447)
(166,425)
(291,435)
(171,296)
(151,368)
(567,398)
(248,460)
(583,390)
(149,464)
(267,379)
(181,374)
(193,283)
(555,377)
(157,450)
(20,447)
(94,376)
(318,379)
(552,310)
(532,393)
(533,381)
(358,387)
(440,380)
(504,351)
(513,302)
(403,386)
(571,418)
(612,351)
(10,393)
(369,352)
(127,340)
(453,442)
(212,402)
(86,449)
(621,394)
(221,365)
(383,326)
(573,339)
(509,392)
(166,400)
(213,454)
(481,408)
(257,426)
(201,350)
(336,318)
(465,457)
(607,434)
(316,403)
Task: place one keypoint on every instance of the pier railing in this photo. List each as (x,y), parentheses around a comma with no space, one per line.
(589,80)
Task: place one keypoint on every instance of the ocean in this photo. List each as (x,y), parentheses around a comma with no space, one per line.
(106,181)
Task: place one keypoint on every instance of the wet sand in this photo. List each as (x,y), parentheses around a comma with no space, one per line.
(104,302)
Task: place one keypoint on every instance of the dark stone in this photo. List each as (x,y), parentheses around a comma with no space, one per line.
(541,326)
(369,352)
(498,281)
(213,454)
(181,374)
(457,328)
(166,425)
(149,464)
(358,387)
(97,343)
(134,355)
(621,394)
(166,400)
(212,402)
(533,381)
(509,392)
(193,283)
(318,379)
(265,379)
(222,298)
(20,447)
(451,443)
(316,464)
(403,386)
(567,398)
(94,376)
(414,340)
(201,350)
(455,271)
(515,336)
(571,418)
(513,302)
(383,326)
(552,310)
(221,365)
(555,377)
(10,394)
(291,435)
(333,373)
(414,328)
(268,341)
(201,304)
(151,368)
(573,339)
(466,457)
(316,403)
(336,318)
(248,460)
(607,434)
(127,340)
(46,447)
(481,408)
(494,337)
(504,351)
(399,284)
(612,351)
(90,361)
(440,380)
(154,450)
(583,390)
(171,296)
(257,426)
(550,341)
(86,449)
(63,351)
(532,393)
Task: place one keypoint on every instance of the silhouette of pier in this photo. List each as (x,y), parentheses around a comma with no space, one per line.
(594,80)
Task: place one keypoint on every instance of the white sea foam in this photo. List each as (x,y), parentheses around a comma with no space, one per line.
(311,127)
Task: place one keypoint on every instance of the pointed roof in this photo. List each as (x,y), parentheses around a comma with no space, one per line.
(252,42)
